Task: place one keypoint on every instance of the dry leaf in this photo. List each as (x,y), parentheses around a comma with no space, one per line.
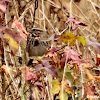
(7,70)
(89,76)
(88,91)
(86,65)
(97,78)
(67,88)
(97,58)
(76,67)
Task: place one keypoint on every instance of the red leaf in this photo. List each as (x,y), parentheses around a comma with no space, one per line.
(14,34)
(3,5)
(75,23)
(73,19)
(16,24)
(75,26)
(93,42)
(52,54)
(49,68)
(62,62)
(28,75)
(71,54)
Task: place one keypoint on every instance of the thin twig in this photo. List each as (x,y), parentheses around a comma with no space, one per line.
(35,8)
(62,87)
(48,21)
(12,81)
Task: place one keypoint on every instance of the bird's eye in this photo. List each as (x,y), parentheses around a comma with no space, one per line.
(33,35)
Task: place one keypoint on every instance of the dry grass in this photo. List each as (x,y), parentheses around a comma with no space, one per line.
(51,16)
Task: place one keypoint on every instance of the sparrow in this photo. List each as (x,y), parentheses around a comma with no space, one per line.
(35,45)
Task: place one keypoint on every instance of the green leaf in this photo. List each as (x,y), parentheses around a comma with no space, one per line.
(55,82)
(22,88)
(69,77)
(81,39)
(68,38)
(71,42)
(64,95)
(56,87)
(69,34)
(60,73)
(12,43)
(67,70)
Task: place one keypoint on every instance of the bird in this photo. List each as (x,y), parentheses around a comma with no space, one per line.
(36,44)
